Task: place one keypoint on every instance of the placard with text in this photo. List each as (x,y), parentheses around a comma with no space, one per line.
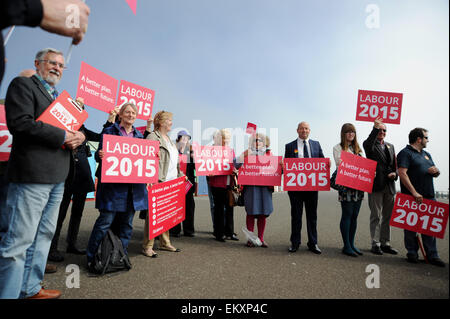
(140,96)
(64,113)
(5,137)
(213,160)
(263,170)
(373,104)
(306,174)
(166,206)
(356,172)
(97,88)
(129,160)
(429,217)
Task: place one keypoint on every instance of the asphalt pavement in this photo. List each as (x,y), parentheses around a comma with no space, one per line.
(208,269)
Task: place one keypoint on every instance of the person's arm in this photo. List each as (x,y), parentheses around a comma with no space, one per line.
(20,108)
(404,179)
(20,12)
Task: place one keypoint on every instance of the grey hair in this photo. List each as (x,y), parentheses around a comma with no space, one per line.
(42,53)
(122,109)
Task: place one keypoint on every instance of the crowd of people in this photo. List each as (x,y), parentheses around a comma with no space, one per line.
(48,168)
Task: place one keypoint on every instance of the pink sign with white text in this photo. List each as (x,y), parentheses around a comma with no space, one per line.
(263,170)
(129,160)
(373,104)
(139,96)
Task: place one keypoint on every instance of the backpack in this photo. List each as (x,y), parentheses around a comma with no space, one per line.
(110,256)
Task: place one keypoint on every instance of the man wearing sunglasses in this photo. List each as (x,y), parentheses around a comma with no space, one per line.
(381,200)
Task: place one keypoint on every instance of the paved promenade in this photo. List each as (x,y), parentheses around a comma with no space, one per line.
(209,269)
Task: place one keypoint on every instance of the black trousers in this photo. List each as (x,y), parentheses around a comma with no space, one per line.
(309,200)
(78,201)
(188,223)
(223,213)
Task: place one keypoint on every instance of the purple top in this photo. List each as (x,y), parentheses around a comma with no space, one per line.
(124,132)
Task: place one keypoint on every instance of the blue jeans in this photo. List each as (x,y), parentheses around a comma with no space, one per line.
(124,225)
(349,223)
(4,219)
(33,212)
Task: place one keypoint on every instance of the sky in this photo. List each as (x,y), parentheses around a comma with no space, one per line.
(220,64)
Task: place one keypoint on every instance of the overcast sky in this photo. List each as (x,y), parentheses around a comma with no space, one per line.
(273,63)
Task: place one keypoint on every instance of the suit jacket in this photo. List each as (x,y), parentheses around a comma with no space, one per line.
(37,155)
(386,162)
(316,150)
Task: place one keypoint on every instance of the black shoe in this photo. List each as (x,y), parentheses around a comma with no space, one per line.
(437,262)
(74,250)
(293,249)
(233,237)
(414,259)
(376,250)
(315,249)
(221,239)
(55,256)
(389,250)
(349,253)
(189,235)
(356,250)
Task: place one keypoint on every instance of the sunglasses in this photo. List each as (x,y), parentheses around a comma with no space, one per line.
(383,130)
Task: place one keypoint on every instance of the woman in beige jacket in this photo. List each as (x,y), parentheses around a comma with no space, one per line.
(169,169)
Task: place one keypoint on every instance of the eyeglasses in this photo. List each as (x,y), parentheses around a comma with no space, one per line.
(259,140)
(425,137)
(54,63)
(383,130)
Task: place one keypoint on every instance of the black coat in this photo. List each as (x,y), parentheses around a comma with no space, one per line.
(80,176)
(37,154)
(386,162)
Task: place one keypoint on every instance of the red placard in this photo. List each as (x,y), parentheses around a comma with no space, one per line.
(251,128)
(64,113)
(261,170)
(139,96)
(182,159)
(129,160)
(166,206)
(98,89)
(5,137)
(306,174)
(356,172)
(213,160)
(429,218)
(373,104)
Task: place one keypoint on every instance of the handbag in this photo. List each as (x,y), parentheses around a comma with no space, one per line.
(333,181)
(234,194)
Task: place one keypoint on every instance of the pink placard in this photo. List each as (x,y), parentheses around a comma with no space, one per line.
(306,174)
(139,96)
(97,88)
(213,160)
(166,206)
(373,104)
(129,160)
(261,170)
(356,172)
(251,128)
(5,137)
(64,113)
(429,218)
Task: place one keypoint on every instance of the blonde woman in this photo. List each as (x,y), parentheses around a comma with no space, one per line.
(350,198)
(257,199)
(169,169)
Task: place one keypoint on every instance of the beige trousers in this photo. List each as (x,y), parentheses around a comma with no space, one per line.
(164,240)
(381,205)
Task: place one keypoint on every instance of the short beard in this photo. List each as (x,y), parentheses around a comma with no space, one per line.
(52,79)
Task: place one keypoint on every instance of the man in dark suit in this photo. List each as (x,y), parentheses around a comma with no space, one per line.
(37,169)
(303,147)
(381,200)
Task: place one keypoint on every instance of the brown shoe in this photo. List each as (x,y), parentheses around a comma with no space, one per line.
(46,294)
(50,268)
